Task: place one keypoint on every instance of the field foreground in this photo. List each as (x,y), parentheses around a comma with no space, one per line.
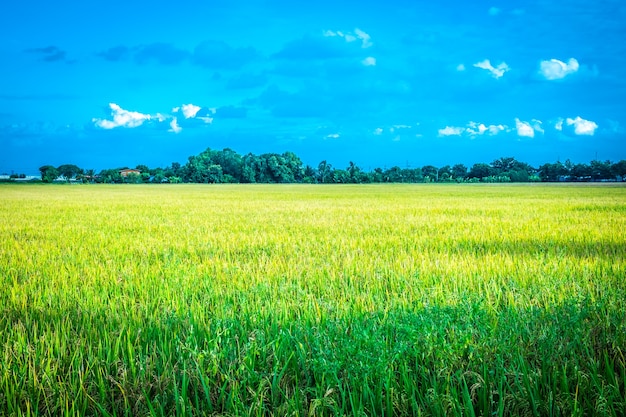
(313,300)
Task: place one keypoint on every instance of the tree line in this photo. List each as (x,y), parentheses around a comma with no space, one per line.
(227,166)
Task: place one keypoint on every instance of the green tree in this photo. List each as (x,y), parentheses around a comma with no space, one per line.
(502,165)
(444,174)
(580,172)
(480,171)
(377,175)
(601,170)
(48,173)
(132,178)
(459,172)
(324,172)
(143,168)
(110,176)
(249,171)
(517,175)
(341,176)
(294,164)
(231,163)
(618,169)
(69,171)
(310,175)
(431,172)
(552,172)
(393,174)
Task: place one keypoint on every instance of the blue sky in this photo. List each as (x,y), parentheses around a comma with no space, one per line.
(107,84)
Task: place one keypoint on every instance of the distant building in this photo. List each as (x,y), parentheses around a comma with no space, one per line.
(127,172)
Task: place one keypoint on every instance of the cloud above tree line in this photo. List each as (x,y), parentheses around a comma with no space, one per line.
(121,118)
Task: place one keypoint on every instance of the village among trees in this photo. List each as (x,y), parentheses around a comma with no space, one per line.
(227,166)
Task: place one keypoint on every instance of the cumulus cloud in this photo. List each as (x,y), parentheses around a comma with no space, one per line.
(472,129)
(122,118)
(559,124)
(582,126)
(554,69)
(450,131)
(495,129)
(332,136)
(364,37)
(496,72)
(190,110)
(370,61)
(524,129)
(378,131)
(131,119)
(174,126)
(351,37)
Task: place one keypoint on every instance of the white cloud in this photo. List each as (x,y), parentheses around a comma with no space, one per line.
(582,126)
(370,61)
(122,118)
(460,67)
(174,126)
(332,136)
(497,72)
(554,69)
(559,124)
(351,37)
(190,110)
(205,119)
(130,119)
(378,131)
(365,38)
(451,131)
(473,129)
(524,129)
(495,129)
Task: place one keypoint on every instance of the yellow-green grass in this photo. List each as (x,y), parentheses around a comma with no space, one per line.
(313,300)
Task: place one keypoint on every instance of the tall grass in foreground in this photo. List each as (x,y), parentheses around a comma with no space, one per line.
(313,300)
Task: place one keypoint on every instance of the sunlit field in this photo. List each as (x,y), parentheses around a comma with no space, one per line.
(258,300)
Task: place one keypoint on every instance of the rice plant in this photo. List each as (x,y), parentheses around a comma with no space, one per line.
(313,300)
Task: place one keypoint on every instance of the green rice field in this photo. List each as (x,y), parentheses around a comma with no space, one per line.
(313,300)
